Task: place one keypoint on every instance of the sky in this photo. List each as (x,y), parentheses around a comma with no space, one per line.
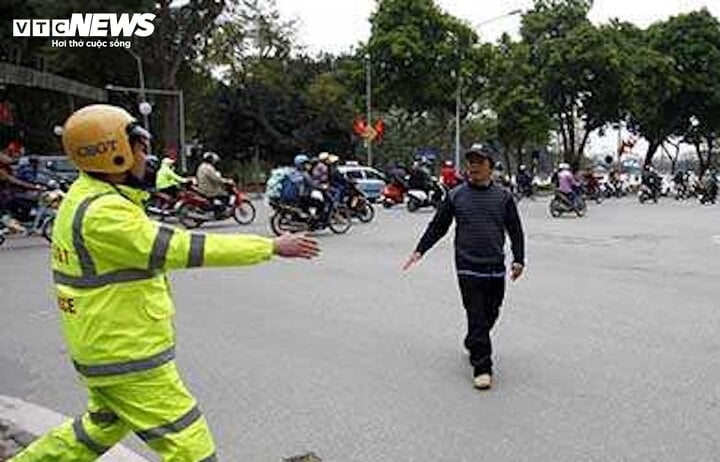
(338,25)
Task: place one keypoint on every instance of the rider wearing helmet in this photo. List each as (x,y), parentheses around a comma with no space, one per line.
(110,264)
(524,181)
(309,184)
(17,195)
(566,182)
(210,182)
(448,175)
(168,182)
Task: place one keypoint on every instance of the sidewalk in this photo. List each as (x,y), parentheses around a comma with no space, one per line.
(21,422)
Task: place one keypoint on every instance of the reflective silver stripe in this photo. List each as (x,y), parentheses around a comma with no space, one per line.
(90,282)
(138,365)
(160,248)
(175,427)
(86,263)
(212,458)
(82,436)
(197,250)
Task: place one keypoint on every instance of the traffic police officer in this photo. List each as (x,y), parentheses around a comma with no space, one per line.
(109,267)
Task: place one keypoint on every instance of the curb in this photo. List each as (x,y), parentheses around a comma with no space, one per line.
(39,420)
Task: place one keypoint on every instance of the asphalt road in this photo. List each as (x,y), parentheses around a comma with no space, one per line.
(607,350)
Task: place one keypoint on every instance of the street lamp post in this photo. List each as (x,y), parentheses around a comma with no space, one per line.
(368,97)
(458,94)
(141,82)
(159,91)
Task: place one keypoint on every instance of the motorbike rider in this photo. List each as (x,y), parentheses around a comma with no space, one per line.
(110,264)
(211,183)
(499,176)
(679,179)
(524,181)
(421,179)
(449,175)
(168,181)
(651,179)
(320,170)
(305,187)
(710,184)
(567,184)
(14,191)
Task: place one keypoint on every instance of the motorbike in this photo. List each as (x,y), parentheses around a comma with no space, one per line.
(613,189)
(523,191)
(708,194)
(646,193)
(394,193)
(193,209)
(561,204)
(48,204)
(292,218)
(161,206)
(40,217)
(682,192)
(358,204)
(417,198)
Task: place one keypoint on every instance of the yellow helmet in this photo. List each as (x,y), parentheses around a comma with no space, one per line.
(97,138)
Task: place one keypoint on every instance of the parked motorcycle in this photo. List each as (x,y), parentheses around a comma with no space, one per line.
(561,204)
(193,209)
(292,218)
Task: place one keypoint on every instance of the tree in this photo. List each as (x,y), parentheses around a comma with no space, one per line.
(580,69)
(522,117)
(693,41)
(181,32)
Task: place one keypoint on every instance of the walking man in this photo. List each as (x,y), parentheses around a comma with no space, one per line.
(483,213)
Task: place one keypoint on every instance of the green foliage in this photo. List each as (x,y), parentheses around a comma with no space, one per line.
(580,69)
(522,118)
(417,53)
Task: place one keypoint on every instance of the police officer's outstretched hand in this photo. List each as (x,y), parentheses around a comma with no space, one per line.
(414,258)
(296,246)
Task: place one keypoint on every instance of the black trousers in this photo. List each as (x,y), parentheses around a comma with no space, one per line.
(482,298)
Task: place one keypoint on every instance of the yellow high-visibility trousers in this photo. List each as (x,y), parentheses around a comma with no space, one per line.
(158,409)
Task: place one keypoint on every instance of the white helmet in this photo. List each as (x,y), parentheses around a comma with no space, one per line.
(564,166)
(211,157)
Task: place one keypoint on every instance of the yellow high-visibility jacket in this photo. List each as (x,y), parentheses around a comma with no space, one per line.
(109,265)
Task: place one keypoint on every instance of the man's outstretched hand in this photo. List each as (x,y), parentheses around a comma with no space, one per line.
(296,246)
(517,271)
(414,258)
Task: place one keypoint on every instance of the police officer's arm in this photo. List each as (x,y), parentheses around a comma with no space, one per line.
(121,232)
